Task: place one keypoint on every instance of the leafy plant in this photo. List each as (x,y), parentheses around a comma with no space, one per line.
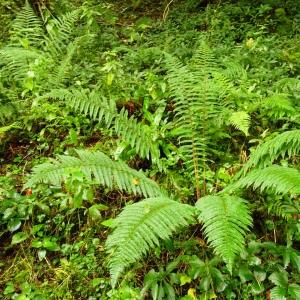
(36,58)
(97,167)
(204,96)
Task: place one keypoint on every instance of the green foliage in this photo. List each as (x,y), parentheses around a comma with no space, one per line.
(36,58)
(27,27)
(139,136)
(277,178)
(225,219)
(284,144)
(139,228)
(203,95)
(282,289)
(241,121)
(96,167)
(186,99)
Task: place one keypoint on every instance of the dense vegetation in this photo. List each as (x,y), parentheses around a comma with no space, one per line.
(150,149)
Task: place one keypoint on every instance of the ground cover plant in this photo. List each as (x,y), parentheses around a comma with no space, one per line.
(149,150)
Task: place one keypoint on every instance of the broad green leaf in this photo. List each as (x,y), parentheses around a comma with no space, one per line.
(19,238)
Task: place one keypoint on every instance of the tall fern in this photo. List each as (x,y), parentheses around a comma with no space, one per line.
(60,32)
(201,91)
(37,52)
(142,225)
(27,27)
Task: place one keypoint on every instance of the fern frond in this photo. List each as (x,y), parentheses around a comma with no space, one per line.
(281,180)
(284,144)
(27,27)
(241,121)
(17,61)
(200,91)
(188,108)
(279,106)
(284,207)
(139,136)
(235,71)
(204,60)
(278,293)
(97,167)
(91,104)
(61,70)
(140,227)
(226,219)
(60,31)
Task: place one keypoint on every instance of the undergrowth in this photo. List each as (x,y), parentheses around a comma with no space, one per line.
(149,150)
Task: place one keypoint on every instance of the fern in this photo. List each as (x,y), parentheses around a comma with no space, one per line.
(279,106)
(225,219)
(139,228)
(139,136)
(201,93)
(98,167)
(241,121)
(4,129)
(27,27)
(281,180)
(285,144)
(284,207)
(17,61)
(60,31)
(33,52)
(7,111)
(60,74)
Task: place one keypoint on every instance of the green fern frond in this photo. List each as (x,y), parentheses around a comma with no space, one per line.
(16,61)
(279,106)
(226,219)
(284,144)
(235,71)
(281,180)
(204,60)
(288,85)
(139,136)
(61,70)
(60,31)
(283,207)
(278,293)
(188,108)
(241,121)
(140,227)
(97,167)
(91,104)
(201,94)
(27,28)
